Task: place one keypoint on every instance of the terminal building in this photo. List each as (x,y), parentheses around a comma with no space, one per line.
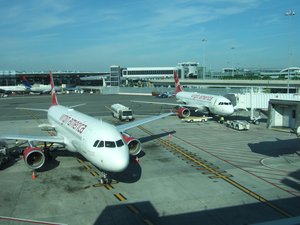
(147,73)
(118,75)
(291,72)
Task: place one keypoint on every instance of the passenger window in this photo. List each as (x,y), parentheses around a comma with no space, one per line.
(96,143)
(101,144)
(120,143)
(110,144)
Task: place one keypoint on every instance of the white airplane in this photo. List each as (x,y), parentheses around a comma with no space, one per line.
(10,89)
(26,87)
(36,88)
(199,102)
(104,145)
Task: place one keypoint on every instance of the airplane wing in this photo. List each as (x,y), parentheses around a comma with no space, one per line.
(33,109)
(30,138)
(133,124)
(166,103)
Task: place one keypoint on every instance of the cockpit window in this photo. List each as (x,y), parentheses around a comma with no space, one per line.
(96,143)
(224,103)
(120,143)
(101,144)
(110,144)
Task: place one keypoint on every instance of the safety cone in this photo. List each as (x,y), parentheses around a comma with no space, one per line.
(33,175)
(137,160)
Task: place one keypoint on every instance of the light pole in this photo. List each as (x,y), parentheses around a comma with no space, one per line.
(232,71)
(203,41)
(289,13)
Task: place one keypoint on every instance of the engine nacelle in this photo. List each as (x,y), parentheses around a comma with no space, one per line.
(34,157)
(133,144)
(183,112)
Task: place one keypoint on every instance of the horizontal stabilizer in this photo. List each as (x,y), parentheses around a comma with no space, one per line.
(33,109)
(74,106)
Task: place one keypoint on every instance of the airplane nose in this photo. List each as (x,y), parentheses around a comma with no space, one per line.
(231,110)
(121,164)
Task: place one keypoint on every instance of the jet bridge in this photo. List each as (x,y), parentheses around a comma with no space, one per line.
(284,114)
(257,101)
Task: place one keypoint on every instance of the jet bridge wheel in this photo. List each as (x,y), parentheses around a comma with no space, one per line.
(256,122)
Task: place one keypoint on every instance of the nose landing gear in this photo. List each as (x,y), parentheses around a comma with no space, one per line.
(105,179)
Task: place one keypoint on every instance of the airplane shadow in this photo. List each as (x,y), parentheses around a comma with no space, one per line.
(132,173)
(52,162)
(276,148)
(292,180)
(156,136)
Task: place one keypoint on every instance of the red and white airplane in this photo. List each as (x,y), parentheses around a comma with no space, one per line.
(199,102)
(104,145)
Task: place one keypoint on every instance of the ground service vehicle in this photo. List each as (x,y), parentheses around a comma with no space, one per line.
(196,119)
(121,112)
(238,124)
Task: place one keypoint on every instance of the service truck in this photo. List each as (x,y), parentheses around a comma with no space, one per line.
(194,119)
(121,112)
(238,124)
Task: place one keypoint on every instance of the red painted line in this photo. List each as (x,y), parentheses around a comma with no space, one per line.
(29,221)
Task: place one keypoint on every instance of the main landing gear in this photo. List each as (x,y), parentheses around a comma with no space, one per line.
(47,151)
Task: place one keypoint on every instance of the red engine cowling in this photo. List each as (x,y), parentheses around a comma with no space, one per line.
(133,144)
(34,157)
(183,112)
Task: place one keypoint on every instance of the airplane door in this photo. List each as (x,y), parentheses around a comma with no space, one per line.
(213,106)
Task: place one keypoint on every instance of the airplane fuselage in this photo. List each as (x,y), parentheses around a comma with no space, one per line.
(215,104)
(99,142)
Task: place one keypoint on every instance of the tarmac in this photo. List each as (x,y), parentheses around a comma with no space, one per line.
(188,173)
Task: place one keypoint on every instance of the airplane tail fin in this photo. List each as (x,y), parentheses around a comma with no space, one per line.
(177,84)
(26,83)
(53,93)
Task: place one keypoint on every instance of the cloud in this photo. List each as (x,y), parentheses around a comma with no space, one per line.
(25,16)
(95,33)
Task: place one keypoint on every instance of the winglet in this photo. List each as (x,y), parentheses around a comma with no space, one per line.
(53,94)
(26,82)
(177,84)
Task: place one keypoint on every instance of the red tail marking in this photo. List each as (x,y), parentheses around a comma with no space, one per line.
(53,94)
(177,84)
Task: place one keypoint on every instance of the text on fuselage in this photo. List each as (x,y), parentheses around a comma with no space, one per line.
(202,97)
(72,123)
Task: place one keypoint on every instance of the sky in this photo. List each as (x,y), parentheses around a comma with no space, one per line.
(92,35)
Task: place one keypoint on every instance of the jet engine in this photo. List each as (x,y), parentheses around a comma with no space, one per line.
(34,157)
(133,144)
(183,112)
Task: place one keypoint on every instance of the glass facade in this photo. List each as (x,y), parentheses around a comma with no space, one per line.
(115,73)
